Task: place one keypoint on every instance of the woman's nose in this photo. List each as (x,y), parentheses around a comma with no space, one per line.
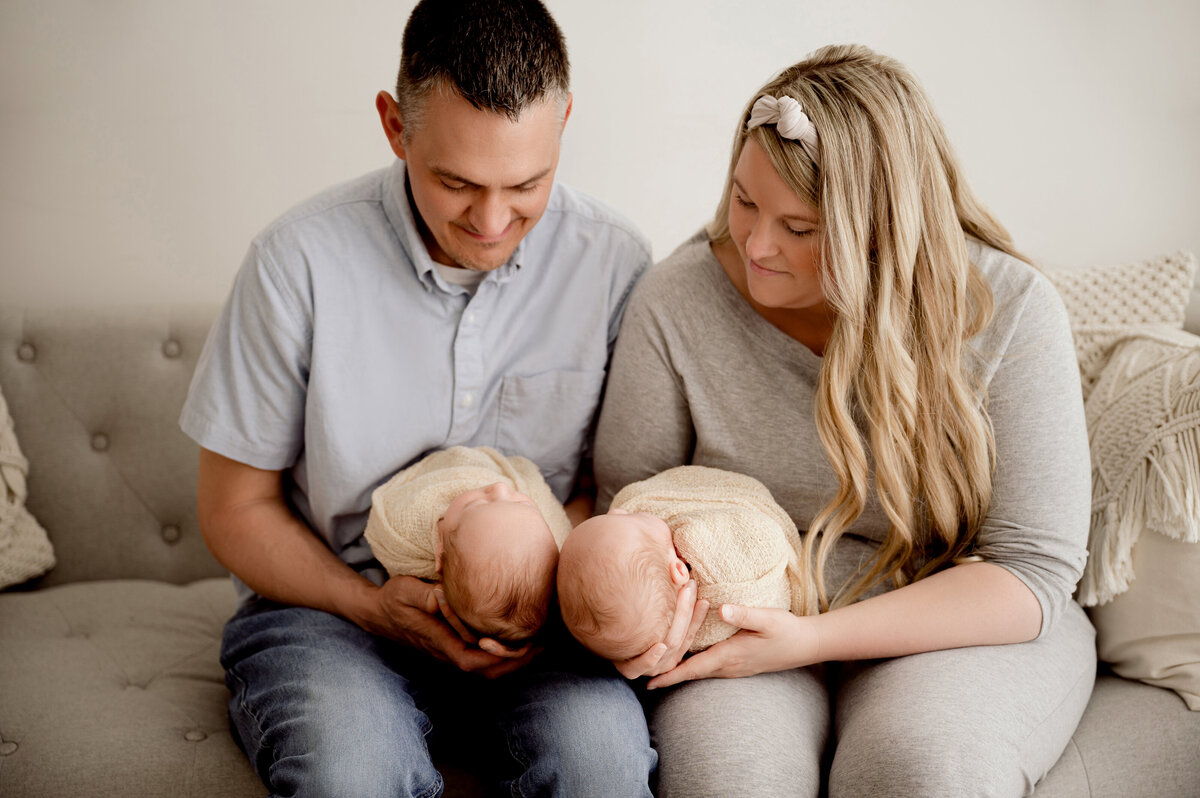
(759,244)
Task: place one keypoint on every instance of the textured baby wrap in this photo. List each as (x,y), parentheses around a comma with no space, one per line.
(402,526)
(740,544)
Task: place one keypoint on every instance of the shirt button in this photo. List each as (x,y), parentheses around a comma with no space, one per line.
(467,400)
(469,318)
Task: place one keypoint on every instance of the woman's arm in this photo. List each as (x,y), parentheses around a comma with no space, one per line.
(645,427)
(645,424)
(971,604)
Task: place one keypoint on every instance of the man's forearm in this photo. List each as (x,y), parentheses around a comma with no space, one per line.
(250,530)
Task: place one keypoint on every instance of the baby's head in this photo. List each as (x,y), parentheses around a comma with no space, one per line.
(497,559)
(618,579)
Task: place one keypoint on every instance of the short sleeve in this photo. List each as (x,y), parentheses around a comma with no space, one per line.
(247,397)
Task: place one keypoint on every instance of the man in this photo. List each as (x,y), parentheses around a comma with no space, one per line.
(458,297)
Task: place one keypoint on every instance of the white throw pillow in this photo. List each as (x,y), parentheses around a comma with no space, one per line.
(25,550)
(1104,302)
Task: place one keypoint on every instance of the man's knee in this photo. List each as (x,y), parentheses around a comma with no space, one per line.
(590,739)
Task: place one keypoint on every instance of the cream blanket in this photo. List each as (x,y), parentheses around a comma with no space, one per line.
(402,525)
(1143,418)
(742,547)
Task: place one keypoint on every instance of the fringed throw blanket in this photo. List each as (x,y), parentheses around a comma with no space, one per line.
(1143,418)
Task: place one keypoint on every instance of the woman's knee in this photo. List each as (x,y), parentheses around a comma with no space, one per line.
(760,735)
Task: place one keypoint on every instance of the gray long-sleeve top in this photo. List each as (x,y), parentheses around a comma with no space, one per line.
(699,377)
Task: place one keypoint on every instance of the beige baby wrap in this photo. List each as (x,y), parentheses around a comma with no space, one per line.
(402,526)
(741,545)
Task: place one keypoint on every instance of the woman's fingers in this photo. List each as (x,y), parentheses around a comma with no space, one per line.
(642,664)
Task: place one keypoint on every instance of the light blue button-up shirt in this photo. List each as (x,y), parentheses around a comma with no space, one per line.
(342,355)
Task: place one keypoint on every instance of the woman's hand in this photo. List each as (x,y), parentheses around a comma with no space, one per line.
(767,640)
(664,656)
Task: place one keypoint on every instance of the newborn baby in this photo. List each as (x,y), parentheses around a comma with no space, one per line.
(485,525)
(619,573)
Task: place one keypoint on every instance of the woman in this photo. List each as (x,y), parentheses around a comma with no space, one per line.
(855,330)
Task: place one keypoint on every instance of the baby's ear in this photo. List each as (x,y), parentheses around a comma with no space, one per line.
(679,572)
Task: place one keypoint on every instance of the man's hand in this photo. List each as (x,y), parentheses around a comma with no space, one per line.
(767,640)
(664,656)
(409,612)
(488,644)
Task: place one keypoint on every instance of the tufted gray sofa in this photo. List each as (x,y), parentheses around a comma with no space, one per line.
(109,681)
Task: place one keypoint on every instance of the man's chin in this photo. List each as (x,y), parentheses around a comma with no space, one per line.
(482,261)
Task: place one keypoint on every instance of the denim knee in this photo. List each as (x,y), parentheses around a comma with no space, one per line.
(580,736)
(319,710)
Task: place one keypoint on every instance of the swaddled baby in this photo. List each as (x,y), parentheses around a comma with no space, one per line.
(485,525)
(619,573)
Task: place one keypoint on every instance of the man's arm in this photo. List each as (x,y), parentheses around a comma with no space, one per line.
(249,528)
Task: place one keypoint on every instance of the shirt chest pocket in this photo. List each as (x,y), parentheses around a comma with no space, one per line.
(546,417)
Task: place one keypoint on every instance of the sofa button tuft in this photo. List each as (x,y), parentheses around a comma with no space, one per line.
(27,352)
(172,348)
(171,533)
(195,736)
(8,748)
(100,442)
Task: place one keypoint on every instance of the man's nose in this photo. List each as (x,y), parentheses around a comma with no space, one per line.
(490,215)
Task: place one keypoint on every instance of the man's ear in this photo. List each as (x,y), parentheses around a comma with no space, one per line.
(393,124)
(567,114)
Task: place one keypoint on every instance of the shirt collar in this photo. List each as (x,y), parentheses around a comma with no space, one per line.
(400,214)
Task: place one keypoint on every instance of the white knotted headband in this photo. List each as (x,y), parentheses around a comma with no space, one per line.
(789,120)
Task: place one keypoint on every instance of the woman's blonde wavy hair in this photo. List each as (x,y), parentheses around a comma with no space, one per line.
(895,214)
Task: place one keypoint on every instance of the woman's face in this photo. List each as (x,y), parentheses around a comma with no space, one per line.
(776,234)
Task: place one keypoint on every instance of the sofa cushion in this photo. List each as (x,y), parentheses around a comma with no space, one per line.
(25,550)
(1133,742)
(114,689)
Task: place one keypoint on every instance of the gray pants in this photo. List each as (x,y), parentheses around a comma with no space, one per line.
(986,720)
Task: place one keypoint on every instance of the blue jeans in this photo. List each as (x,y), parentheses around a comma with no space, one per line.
(323,708)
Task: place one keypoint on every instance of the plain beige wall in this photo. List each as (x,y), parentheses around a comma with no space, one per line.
(143,142)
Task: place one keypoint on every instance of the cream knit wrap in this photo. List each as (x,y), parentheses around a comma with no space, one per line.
(741,545)
(402,526)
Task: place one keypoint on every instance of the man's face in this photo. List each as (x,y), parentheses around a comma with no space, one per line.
(479,181)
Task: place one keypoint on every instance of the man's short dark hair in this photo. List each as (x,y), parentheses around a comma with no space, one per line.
(499,55)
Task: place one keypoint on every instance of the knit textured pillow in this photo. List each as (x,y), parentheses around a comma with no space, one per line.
(25,550)
(1104,302)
